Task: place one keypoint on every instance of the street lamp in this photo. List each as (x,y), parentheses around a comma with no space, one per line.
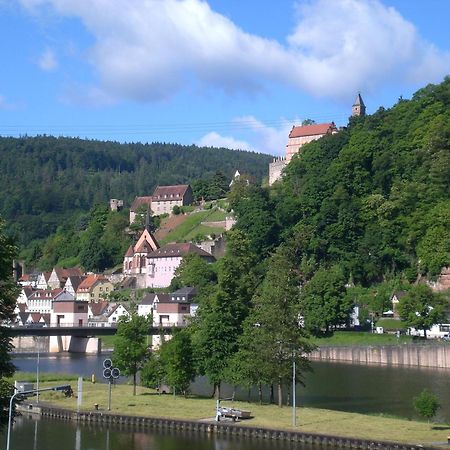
(66,388)
(294,415)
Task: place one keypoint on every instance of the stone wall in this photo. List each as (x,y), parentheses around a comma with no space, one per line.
(210,427)
(437,356)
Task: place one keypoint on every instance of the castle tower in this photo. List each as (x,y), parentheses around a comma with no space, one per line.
(358,108)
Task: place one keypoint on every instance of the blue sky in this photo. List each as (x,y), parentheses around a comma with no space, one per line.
(233,73)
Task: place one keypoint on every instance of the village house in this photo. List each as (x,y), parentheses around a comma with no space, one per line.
(140,204)
(94,288)
(58,276)
(24,295)
(169,313)
(166,197)
(42,281)
(163,262)
(145,307)
(69,312)
(72,283)
(105,314)
(41,300)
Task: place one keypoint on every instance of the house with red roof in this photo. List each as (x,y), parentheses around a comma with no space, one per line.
(94,288)
(59,276)
(166,197)
(301,135)
(140,204)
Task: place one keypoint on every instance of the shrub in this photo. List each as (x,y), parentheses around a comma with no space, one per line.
(426,404)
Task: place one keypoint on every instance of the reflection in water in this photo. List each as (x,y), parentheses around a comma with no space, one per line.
(60,435)
(347,387)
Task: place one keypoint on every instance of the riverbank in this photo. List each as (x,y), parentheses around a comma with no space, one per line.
(410,355)
(309,420)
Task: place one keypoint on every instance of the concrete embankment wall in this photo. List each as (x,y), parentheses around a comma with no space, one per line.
(437,356)
(31,344)
(210,427)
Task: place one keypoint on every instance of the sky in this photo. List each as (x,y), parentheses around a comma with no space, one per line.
(222,73)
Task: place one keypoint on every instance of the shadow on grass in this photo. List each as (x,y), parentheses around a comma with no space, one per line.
(441,428)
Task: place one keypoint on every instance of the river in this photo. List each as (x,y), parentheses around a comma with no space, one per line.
(331,385)
(45,434)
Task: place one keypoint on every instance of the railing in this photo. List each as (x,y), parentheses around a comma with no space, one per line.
(93,325)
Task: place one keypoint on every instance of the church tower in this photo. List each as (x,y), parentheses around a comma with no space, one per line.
(358,108)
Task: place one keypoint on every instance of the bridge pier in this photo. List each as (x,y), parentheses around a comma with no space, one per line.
(74,344)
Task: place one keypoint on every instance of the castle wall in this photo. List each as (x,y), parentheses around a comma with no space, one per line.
(275,169)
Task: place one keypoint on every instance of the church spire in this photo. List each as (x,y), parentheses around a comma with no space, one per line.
(358,108)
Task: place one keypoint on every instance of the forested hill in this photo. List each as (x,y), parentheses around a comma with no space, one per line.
(375,197)
(45,180)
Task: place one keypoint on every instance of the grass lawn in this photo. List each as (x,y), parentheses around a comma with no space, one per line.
(148,403)
(107,342)
(217,215)
(361,338)
(191,227)
(203,230)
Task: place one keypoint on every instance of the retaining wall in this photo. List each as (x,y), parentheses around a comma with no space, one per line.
(437,356)
(212,427)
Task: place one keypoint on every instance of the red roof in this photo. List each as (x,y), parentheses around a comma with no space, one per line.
(139,201)
(98,308)
(168,192)
(312,130)
(89,281)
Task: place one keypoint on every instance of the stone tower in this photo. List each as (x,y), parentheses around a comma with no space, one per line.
(358,108)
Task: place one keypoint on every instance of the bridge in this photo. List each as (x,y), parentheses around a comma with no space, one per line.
(82,331)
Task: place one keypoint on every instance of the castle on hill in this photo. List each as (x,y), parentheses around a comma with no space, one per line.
(301,135)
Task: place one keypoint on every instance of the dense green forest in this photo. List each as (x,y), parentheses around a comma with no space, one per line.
(375,197)
(357,216)
(47,182)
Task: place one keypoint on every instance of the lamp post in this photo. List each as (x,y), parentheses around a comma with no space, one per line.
(65,387)
(294,415)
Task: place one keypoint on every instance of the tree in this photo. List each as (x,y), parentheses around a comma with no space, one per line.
(8,294)
(426,404)
(324,301)
(273,336)
(194,271)
(130,346)
(177,360)
(421,308)
(219,321)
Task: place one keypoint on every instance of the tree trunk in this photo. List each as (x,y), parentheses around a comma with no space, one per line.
(260,393)
(134,383)
(217,391)
(272,395)
(280,394)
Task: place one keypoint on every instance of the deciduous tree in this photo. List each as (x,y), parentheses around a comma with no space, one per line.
(130,346)
(421,308)
(8,294)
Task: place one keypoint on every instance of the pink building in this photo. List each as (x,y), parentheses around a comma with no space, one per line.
(163,262)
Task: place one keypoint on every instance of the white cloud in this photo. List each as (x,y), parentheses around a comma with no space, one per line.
(147,50)
(260,137)
(47,60)
(214,139)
